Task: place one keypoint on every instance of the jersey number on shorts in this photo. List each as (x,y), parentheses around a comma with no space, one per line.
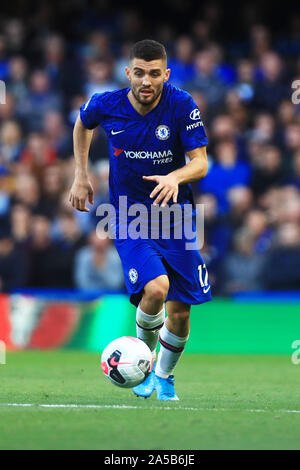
(203,282)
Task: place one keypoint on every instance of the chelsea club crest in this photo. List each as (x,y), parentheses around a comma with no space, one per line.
(133,275)
(162,132)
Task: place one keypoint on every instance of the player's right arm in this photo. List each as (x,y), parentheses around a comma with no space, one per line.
(81,188)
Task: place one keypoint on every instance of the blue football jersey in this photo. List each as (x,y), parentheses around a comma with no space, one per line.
(154,144)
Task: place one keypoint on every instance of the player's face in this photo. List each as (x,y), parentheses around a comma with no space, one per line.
(147,79)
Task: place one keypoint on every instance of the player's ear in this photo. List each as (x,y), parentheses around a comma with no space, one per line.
(167,75)
(127,72)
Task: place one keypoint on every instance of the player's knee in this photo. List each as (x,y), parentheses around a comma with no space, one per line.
(157,289)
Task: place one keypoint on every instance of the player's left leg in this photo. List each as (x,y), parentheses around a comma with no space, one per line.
(173,337)
(149,324)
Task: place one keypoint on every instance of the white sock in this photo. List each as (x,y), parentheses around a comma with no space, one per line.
(171,349)
(148,326)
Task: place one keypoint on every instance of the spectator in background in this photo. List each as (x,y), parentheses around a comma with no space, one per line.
(257,223)
(17,83)
(230,127)
(294,177)
(260,41)
(64,71)
(49,264)
(26,190)
(271,90)
(217,230)
(15,34)
(52,187)
(11,143)
(181,65)
(98,266)
(68,236)
(206,81)
(282,269)
(237,111)
(13,267)
(264,127)
(225,173)
(54,55)
(245,80)
(120,64)
(98,45)
(68,232)
(240,200)
(37,153)
(242,267)
(223,128)
(286,113)
(20,217)
(292,138)
(267,171)
(58,135)
(201,31)
(225,71)
(288,208)
(100,77)
(40,100)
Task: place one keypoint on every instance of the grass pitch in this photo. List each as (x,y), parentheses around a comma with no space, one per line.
(226,402)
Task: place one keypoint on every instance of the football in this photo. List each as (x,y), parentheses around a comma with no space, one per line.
(126,361)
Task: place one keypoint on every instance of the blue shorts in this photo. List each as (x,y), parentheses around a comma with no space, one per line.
(145,259)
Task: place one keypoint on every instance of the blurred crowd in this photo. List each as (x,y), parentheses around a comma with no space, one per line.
(243,89)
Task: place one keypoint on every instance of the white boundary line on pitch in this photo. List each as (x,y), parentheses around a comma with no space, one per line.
(132,407)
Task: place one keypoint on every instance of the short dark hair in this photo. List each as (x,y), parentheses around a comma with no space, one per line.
(148,50)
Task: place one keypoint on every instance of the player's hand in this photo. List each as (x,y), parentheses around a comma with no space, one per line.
(80,191)
(167,188)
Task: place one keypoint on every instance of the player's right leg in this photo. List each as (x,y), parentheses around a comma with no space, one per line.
(150,318)
(150,315)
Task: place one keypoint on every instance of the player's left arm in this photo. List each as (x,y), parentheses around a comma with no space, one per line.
(167,185)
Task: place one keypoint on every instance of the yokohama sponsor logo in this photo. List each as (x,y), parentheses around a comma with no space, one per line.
(144,154)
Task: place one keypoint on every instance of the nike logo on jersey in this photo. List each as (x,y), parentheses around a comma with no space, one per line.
(116,132)
(206,290)
(86,104)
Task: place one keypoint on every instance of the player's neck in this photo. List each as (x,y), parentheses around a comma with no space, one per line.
(141,108)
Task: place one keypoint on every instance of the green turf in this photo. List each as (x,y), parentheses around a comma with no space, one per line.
(222,390)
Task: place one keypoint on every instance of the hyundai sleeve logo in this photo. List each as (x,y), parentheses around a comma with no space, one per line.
(195,114)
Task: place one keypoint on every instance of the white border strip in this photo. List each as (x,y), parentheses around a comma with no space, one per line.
(132,407)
